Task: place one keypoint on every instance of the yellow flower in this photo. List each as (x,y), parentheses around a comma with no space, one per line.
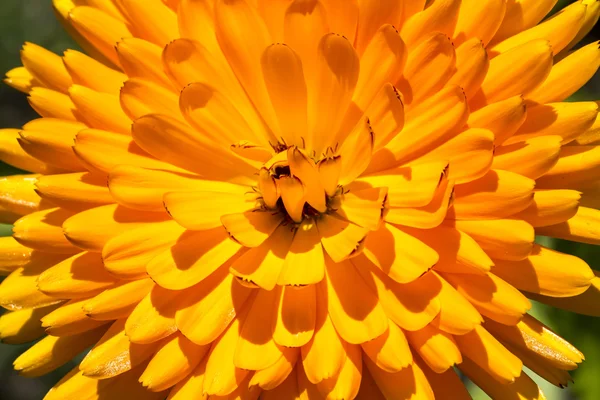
(306,199)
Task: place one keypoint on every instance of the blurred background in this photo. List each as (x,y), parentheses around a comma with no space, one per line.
(33,21)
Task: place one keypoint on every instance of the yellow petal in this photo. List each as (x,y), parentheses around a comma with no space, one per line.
(364,207)
(386,114)
(22,326)
(445,385)
(550,207)
(92,145)
(18,197)
(586,303)
(151,20)
(428,68)
(100,110)
(502,118)
(173,361)
(100,29)
(305,169)
(20,289)
(577,167)
(371,17)
(127,254)
(409,383)
(222,376)
(347,384)
(255,347)
(251,228)
(567,120)
(356,319)
(183,206)
(341,239)
(42,230)
(274,375)
(559,30)
(501,302)
(304,263)
(21,79)
(522,15)
(440,16)
(69,319)
(210,306)
(523,387)
(504,239)
(13,255)
(472,60)
(356,151)
(479,20)
(139,97)
(437,348)
(52,352)
(431,121)
(517,71)
(562,81)
(77,191)
(89,72)
(153,318)
(194,257)
(497,194)
(531,158)
(141,59)
(411,306)
(543,273)
(82,275)
(426,217)
(324,355)
(389,351)
(457,315)
(261,266)
(192,385)
(469,154)
(534,337)
(368,387)
(46,67)
(296,316)
(583,227)
(52,104)
(399,254)
(11,153)
(54,147)
(176,143)
(117,302)
(382,62)
(337,72)
(92,229)
(114,354)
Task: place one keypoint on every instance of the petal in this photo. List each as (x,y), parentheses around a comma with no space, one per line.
(497,194)
(192,385)
(479,20)
(126,255)
(251,228)
(82,275)
(489,354)
(141,59)
(340,239)
(472,61)
(521,16)
(89,72)
(390,351)
(192,258)
(296,316)
(151,20)
(13,255)
(502,118)
(22,326)
(356,151)
(21,79)
(69,319)
(261,266)
(356,319)
(54,145)
(399,254)
(583,227)
(504,239)
(586,303)
(551,207)
(408,383)
(42,230)
(274,375)
(117,302)
(19,197)
(114,354)
(11,153)
(347,384)
(437,348)
(52,104)
(304,263)
(543,273)
(577,167)
(372,16)
(77,191)
(386,114)
(438,17)
(210,306)
(139,97)
(411,306)
(100,110)
(531,158)
(493,297)
(364,207)
(92,229)
(175,359)
(153,318)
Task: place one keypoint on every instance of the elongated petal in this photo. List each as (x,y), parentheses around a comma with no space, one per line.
(389,351)
(296,316)
(437,348)
(531,158)
(117,302)
(583,227)
(42,230)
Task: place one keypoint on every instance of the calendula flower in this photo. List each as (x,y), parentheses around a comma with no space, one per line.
(301,199)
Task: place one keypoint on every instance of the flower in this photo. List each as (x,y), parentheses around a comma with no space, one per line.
(301,198)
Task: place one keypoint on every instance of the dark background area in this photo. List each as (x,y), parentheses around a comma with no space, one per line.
(34,21)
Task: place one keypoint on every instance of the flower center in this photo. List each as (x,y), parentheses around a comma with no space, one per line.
(298,186)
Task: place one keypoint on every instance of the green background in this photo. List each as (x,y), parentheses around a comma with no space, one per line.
(33,20)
